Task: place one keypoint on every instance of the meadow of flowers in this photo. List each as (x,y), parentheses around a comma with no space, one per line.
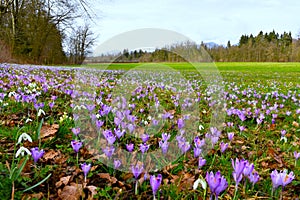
(78,133)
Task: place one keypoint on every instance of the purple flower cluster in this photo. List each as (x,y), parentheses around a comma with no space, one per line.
(243,168)
(216,182)
(281,178)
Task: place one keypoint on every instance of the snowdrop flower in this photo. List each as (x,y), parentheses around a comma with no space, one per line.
(24,136)
(201,127)
(202,182)
(22,151)
(41,112)
(28,120)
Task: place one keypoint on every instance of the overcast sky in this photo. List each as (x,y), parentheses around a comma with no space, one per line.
(201,20)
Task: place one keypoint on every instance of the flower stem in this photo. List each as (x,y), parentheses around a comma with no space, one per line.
(281,194)
(77,158)
(136,186)
(235,192)
(154,196)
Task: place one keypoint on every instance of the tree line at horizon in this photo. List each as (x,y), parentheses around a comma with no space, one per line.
(44,31)
(264,47)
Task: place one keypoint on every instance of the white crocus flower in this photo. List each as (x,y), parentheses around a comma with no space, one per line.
(24,136)
(41,112)
(22,151)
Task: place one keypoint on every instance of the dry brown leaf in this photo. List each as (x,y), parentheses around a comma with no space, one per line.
(239,142)
(49,131)
(93,190)
(108,177)
(63,180)
(50,154)
(104,175)
(295,124)
(172,112)
(39,195)
(73,192)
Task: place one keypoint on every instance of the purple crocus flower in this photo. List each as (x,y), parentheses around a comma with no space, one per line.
(180,123)
(155,182)
(130,147)
(167,115)
(36,154)
(130,128)
(283,132)
(109,151)
(230,136)
(242,128)
(201,162)
(90,107)
(282,178)
(198,142)
(109,136)
(165,136)
(144,147)
(185,146)
(238,167)
(117,164)
(51,104)
(145,137)
(99,123)
(155,122)
(85,168)
(223,146)
(76,145)
(216,182)
(296,155)
(253,177)
(137,170)
(164,145)
(197,152)
(117,121)
(248,168)
(76,131)
(119,133)
(53,98)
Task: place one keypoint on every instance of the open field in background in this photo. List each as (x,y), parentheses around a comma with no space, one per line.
(261,105)
(222,66)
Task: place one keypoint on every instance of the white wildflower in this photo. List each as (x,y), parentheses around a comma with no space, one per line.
(22,151)
(11,94)
(24,137)
(41,112)
(28,120)
(202,182)
(284,139)
(201,127)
